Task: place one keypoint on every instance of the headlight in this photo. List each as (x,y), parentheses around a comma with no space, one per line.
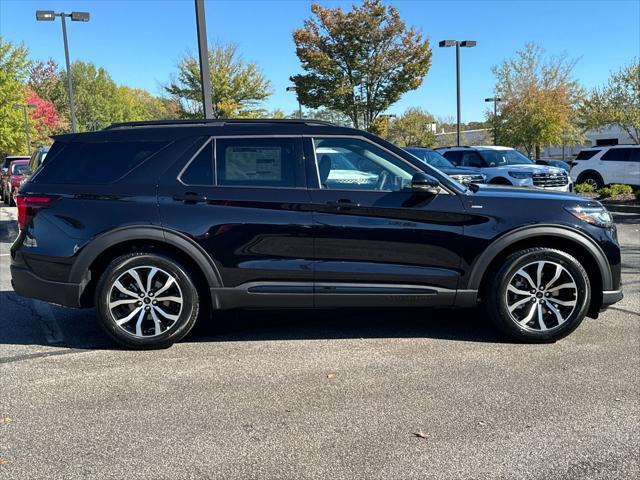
(461,178)
(521,175)
(594,215)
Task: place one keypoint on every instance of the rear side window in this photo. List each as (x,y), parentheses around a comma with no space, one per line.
(453,157)
(95,163)
(259,162)
(586,154)
(200,169)
(617,155)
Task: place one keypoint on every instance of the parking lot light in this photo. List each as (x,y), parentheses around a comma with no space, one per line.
(457,44)
(495,101)
(24,107)
(50,16)
(294,89)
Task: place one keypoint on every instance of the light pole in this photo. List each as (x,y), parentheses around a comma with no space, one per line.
(495,101)
(24,107)
(458,44)
(50,16)
(294,89)
(203,52)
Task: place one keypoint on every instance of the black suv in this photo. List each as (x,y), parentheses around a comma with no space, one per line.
(154,223)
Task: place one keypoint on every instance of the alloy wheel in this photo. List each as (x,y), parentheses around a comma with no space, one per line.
(541,296)
(145,301)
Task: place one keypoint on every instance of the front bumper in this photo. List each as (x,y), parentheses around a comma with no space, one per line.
(28,284)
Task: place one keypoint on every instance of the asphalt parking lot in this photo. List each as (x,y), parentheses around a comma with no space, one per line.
(323,395)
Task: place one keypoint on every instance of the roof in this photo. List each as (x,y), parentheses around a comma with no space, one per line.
(219,122)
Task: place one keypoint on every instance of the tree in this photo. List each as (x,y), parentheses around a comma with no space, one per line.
(413,127)
(539,99)
(237,88)
(43,78)
(43,119)
(617,103)
(13,72)
(359,62)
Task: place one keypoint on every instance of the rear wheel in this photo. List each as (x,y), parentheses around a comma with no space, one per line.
(591,178)
(539,295)
(146,301)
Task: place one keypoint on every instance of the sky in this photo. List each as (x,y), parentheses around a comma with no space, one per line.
(139,42)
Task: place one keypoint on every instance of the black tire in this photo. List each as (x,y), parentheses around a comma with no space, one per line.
(592,178)
(497,295)
(182,283)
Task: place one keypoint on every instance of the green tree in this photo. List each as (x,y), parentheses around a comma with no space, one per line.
(358,62)
(413,127)
(539,100)
(617,103)
(13,73)
(237,88)
(95,95)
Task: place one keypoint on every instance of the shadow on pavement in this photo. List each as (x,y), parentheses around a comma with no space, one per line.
(22,324)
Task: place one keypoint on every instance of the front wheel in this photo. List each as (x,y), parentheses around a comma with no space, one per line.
(146,300)
(539,295)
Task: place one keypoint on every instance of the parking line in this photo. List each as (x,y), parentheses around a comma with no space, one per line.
(4,254)
(52,332)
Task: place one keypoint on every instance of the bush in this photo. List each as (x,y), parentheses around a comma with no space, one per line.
(615,190)
(584,188)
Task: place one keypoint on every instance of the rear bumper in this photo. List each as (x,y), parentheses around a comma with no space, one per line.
(27,284)
(610,297)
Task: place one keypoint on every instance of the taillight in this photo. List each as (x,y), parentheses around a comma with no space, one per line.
(29,205)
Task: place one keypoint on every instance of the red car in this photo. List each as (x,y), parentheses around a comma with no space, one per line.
(12,183)
(4,171)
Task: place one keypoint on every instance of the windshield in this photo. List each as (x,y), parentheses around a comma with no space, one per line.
(498,158)
(432,157)
(19,168)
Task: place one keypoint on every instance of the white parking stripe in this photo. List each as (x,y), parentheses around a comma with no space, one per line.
(50,327)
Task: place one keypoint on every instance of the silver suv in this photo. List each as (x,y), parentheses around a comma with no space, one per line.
(507,166)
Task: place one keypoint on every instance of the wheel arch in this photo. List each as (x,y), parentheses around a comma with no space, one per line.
(589,172)
(585,250)
(499,181)
(94,257)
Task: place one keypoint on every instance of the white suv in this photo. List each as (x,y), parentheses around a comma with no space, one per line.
(601,166)
(507,166)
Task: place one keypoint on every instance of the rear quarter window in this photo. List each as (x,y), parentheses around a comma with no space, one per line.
(94,163)
(586,154)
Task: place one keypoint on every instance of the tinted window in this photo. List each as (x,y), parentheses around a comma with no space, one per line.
(635,155)
(617,154)
(259,162)
(17,168)
(453,156)
(471,159)
(353,164)
(95,163)
(499,158)
(586,154)
(200,170)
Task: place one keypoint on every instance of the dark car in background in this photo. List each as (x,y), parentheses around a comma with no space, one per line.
(464,175)
(157,223)
(37,158)
(4,171)
(12,184)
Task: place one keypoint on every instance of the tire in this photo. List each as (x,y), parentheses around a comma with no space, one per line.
(592,178)
(130,316)
(522,323)
(500,181)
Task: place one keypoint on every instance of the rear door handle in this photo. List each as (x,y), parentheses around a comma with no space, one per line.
(343,204)
(190,198)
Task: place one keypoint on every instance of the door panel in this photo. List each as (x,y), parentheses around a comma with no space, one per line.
(255,234)
(376,239)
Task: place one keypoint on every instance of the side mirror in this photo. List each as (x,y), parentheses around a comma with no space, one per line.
(425,183)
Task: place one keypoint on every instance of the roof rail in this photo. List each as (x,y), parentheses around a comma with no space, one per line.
(453,146)
(219,122)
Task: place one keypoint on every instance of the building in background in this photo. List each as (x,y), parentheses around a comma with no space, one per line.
(612,135)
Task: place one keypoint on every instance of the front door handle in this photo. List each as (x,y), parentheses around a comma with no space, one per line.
(190,198)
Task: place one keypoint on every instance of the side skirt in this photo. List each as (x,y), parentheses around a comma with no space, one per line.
(335,295)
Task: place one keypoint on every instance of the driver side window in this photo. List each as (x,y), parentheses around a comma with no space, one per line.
(353,164)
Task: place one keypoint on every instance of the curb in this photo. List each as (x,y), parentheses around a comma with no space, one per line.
(622,208)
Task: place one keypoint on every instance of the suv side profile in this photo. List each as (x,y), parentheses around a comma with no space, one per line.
(507,166)
(157,223)
(600,166)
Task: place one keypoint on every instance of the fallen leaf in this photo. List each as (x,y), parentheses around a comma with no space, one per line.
(4,420)
(329,376)
(481,423)
(618,399)
(3,461)
(420,434)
